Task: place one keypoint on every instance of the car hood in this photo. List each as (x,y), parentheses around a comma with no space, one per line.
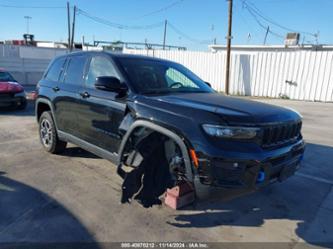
(232,109)
(4,86)
(7,86)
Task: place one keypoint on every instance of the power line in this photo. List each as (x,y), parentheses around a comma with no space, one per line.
(181,33)
(251,28)
(257,12)
(117,25)
(30,7)
(261,24)
(161,9)
(137,27)
(255,9)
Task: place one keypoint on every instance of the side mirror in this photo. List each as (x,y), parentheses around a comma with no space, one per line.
(110,83)
(208,84)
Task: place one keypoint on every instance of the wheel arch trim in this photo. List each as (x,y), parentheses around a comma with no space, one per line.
(49,103)
(180,142)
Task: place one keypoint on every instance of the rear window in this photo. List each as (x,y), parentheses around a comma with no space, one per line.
(55,70)
(5,76)
(75,70)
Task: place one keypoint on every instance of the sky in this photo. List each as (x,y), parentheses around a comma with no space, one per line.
(193,23)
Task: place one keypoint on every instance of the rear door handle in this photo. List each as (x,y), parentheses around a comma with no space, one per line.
(56,89)
(85,95)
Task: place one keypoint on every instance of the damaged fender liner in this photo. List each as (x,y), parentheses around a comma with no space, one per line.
(164,131)
(149,180)
(152,176)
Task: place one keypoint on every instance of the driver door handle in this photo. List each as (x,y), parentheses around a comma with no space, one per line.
(56,89)
(85,95)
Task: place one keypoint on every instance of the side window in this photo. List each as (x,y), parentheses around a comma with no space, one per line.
(75,69)
(172,76)
(99,66)
(55,69)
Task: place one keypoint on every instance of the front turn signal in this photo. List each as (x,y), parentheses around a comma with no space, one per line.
(194,158)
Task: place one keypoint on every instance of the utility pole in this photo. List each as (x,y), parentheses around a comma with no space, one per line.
(248,38)
(83,42)
(267,31)
(214,38)
(69,26)
(165,31)
(316,35)
(73,28)
(28,18)
(229,37)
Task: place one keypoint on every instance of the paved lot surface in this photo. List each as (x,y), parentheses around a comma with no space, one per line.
(75,196)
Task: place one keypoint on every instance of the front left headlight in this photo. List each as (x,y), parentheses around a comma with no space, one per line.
(230,131)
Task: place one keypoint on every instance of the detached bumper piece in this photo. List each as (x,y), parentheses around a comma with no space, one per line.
(249,174)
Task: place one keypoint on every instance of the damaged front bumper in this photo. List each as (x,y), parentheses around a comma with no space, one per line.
(248,172)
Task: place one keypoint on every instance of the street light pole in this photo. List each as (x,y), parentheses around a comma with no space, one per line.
(27,18)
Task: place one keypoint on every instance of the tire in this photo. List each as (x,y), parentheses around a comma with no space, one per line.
(48,134)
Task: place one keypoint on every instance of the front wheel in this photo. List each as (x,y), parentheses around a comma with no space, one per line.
(48,134)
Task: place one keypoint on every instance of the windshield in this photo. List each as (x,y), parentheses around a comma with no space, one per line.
(156,77)
(4,76)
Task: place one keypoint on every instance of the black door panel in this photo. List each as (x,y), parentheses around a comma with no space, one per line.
(101,112)
(67,94)
(66,108)
(100,118)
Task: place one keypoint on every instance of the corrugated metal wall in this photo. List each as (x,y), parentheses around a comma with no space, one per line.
(27,64)
(300,75)
(25,71)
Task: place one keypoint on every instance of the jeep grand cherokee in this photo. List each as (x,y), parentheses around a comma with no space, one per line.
(111,104)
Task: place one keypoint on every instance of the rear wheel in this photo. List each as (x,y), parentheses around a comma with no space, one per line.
(48,134)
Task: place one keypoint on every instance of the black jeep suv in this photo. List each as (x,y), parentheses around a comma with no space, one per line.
(128,108)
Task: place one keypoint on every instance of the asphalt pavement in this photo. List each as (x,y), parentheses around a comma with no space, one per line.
(75,197)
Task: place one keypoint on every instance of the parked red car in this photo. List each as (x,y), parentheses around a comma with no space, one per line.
(11,92)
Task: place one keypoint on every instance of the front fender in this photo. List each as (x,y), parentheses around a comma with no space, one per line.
(47,102)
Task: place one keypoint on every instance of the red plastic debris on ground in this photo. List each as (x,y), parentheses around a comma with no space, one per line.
(180,195)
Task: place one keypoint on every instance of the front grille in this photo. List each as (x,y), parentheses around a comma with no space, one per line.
(6,95)
(281,133)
